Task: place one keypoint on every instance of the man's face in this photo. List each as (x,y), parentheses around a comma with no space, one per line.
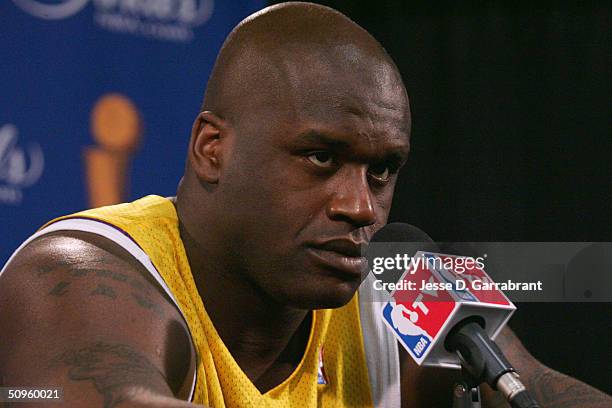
(311,178)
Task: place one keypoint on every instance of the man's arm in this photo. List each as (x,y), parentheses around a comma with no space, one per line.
(78,312)
(432,387)
(549,387)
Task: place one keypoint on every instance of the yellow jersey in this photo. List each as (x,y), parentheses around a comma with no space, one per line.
(333,371)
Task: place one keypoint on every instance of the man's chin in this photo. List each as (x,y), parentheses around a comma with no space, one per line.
(328,297)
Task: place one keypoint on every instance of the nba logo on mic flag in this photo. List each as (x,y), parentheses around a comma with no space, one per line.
(414,338)
(429,299)
(416,317)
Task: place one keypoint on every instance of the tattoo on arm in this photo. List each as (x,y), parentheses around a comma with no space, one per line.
(104,290)
(114,370)
(138,293)
(145,303)
(59,289)
(46,269)
(553,389)
(549,387)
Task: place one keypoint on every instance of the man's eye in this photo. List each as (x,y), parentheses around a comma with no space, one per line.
(380,172)
(322,159)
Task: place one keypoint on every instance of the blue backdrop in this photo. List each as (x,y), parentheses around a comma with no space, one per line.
(109,85)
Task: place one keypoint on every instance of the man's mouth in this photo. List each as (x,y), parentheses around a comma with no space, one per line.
(343,255)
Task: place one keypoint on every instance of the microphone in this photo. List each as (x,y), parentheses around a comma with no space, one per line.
(396,238)
(445,309)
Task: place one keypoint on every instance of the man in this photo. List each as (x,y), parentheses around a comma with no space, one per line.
(241,292)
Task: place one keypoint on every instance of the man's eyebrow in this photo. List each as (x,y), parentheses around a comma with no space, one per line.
(316,137)
(397,154)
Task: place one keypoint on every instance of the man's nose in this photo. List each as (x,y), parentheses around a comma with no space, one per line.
(352,201)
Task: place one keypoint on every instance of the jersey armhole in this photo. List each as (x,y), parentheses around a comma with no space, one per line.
(381,348)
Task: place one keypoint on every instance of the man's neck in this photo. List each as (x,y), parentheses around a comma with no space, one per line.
(266,339)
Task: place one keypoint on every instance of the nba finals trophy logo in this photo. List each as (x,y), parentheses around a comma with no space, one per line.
(117,129)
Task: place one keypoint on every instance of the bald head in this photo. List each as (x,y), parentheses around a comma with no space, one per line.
(278,55)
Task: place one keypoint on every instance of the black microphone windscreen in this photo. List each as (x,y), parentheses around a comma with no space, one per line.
(402,232)
(397,239)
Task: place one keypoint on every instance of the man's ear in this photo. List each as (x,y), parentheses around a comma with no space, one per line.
(205,148)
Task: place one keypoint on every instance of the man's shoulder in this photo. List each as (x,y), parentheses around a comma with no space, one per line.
(72,294)
(74,264)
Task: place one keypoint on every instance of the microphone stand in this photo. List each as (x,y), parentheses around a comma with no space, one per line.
(466,396)
(482,361)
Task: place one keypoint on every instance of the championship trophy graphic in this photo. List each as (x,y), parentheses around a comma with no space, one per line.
(117,128)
